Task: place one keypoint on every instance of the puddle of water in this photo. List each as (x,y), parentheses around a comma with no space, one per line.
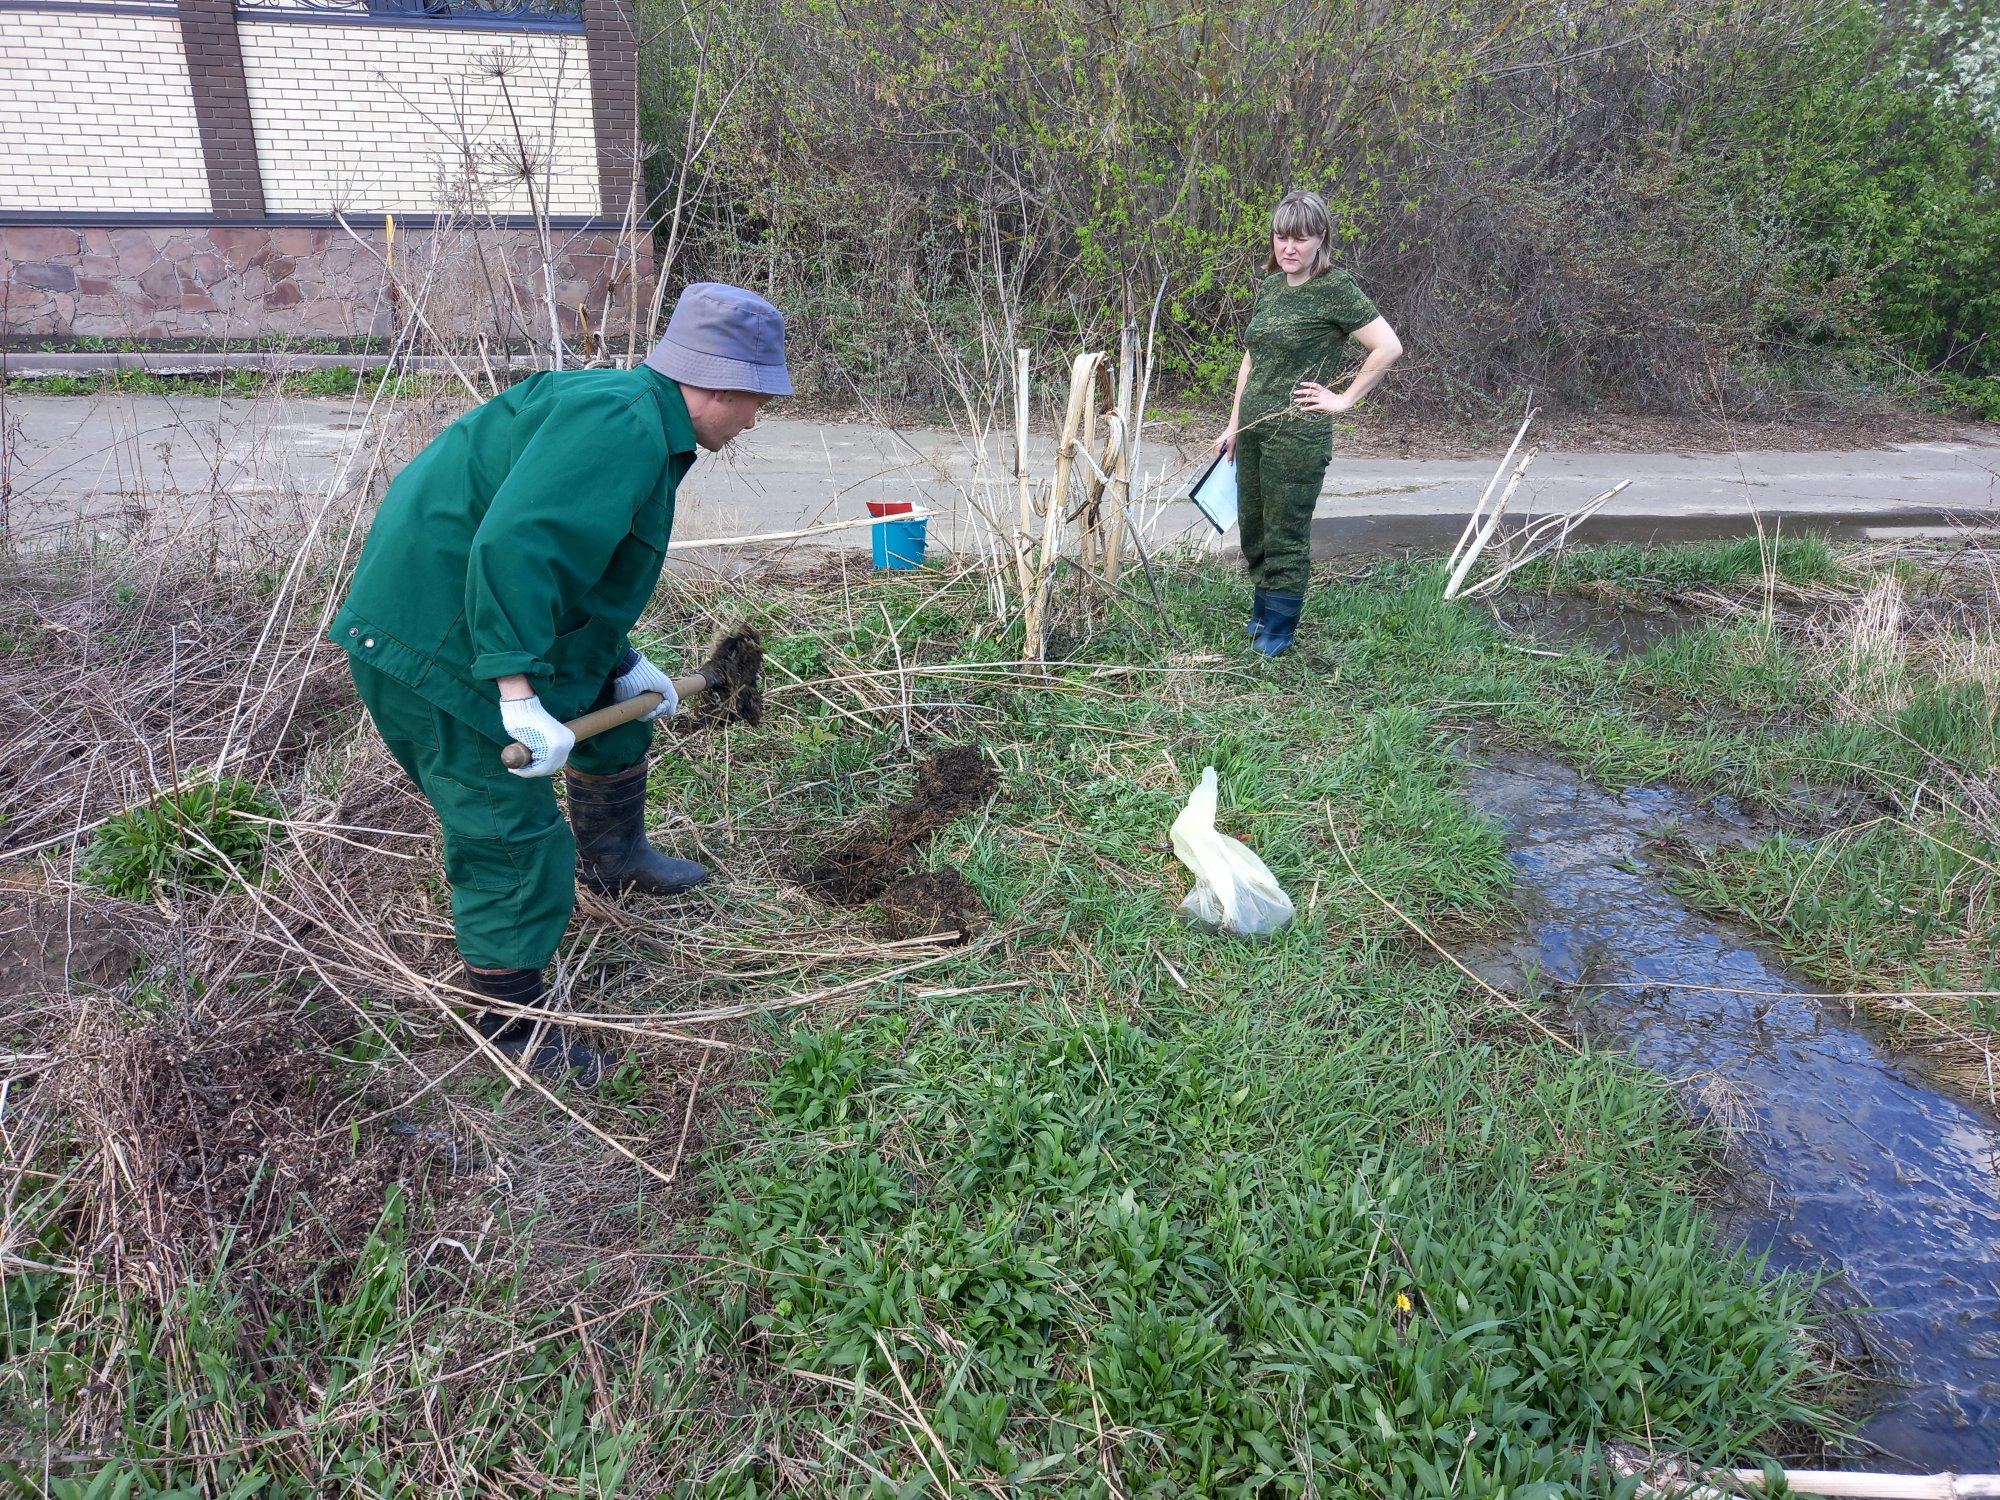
(1567,620)
(1870,1170)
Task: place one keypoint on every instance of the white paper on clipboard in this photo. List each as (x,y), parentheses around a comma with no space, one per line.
(1214,494)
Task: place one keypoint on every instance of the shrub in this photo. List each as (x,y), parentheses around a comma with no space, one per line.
(197,838)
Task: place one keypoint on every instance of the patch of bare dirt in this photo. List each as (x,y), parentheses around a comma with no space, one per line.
(866,863)
(47,943)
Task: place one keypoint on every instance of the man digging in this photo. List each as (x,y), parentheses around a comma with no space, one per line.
(505,567)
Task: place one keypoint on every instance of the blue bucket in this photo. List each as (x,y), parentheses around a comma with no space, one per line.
(899,544)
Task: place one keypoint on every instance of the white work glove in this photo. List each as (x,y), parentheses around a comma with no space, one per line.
(641,676)
(549,738)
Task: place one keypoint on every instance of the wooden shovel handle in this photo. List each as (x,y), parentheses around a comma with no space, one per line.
(596,722)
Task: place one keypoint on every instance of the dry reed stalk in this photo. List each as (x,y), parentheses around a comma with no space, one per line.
(416,307)
(701,543)
(1489,525)
(1472,522)
(1875,673)
(697,136)
(983,496)
(1087,515)
(1538,538)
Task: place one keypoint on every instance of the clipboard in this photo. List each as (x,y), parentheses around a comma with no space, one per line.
(1214,494)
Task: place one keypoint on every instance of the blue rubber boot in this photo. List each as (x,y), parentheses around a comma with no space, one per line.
(1281,622)
(1260,602)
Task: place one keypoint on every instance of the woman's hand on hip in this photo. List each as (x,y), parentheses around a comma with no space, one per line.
(1310,395)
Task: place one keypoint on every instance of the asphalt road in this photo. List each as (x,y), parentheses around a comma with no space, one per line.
(136,466)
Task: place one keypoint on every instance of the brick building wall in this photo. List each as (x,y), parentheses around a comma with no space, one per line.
(203,202)
(57,69)
(405,116)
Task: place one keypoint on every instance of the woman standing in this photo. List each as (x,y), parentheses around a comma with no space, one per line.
(1279,432)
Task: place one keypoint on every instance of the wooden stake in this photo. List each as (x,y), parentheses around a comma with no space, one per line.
(1120,489)
(1024,539)
(1081,380)
(1093,485)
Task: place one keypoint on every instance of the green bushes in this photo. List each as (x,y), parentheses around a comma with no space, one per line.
(1646,203)
(1878,178)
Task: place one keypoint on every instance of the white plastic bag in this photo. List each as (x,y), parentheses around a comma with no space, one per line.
(1234,891)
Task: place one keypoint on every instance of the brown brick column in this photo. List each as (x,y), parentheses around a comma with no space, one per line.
(613,43)
(222,107)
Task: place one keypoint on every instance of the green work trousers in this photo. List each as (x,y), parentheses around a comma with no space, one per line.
(1280,467)
(508,853)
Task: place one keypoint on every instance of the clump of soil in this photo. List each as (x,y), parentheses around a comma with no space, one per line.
(933,903)
(865,864)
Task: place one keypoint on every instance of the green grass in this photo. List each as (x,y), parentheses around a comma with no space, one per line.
(274,342)
(1792,559)
(1101,1204)
(337,380)
(1892,906)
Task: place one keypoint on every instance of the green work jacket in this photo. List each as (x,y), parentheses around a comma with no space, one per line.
(526,539)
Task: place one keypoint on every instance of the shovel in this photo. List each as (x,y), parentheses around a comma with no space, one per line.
(725,686)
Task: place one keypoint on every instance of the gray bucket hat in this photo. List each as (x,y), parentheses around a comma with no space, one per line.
(723,338)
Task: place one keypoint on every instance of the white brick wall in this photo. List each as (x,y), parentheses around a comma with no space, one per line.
(96,113)
(374,118)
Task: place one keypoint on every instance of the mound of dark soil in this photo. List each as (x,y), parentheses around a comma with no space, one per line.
(863,865)
(933,903)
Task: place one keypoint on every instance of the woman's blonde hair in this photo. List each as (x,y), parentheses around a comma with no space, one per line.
(1303,214)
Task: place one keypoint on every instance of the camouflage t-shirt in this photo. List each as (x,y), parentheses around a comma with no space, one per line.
(1297,333)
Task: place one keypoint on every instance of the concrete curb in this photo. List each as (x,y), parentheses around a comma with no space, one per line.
(36,365)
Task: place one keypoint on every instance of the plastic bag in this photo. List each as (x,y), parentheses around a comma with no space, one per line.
(1234,891)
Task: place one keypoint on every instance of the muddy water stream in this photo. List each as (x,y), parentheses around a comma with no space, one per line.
(1850,1160)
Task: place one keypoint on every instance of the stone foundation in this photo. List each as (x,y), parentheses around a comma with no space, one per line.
(239,282)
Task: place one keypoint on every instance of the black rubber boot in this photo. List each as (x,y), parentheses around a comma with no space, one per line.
(1260,604)
(608,814)
(554,1053)
(1281,623)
